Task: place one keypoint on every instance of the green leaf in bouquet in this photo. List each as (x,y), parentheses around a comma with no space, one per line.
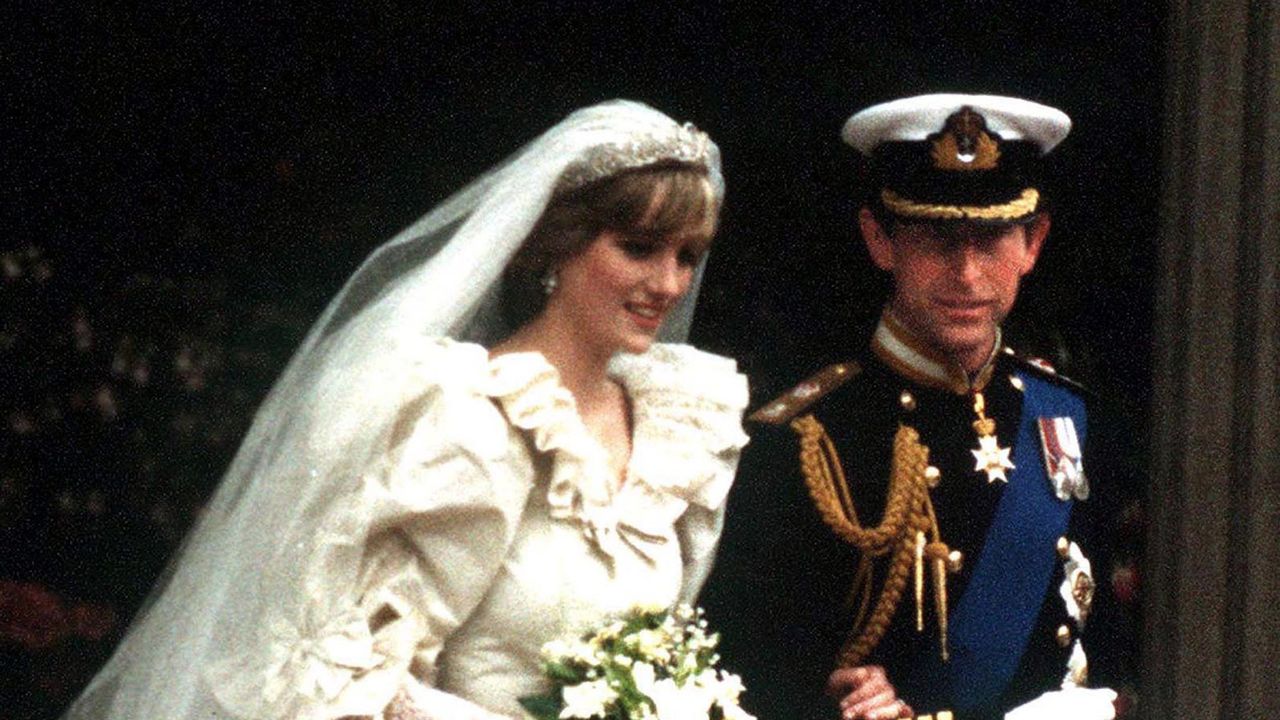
(624,683)
(562,673)
(543,707)
(642,621)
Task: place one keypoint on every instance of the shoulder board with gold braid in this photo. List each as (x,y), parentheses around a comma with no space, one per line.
(794,401)
(1043,369)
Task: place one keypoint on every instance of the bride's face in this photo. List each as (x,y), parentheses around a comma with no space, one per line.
(616,293)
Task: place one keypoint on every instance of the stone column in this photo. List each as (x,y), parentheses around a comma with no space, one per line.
(1212,636)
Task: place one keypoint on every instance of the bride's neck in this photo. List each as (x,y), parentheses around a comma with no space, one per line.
(583,368)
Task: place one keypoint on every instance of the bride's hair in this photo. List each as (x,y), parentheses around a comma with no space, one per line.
(622,203)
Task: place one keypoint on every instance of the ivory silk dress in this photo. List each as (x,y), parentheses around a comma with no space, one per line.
(495,525)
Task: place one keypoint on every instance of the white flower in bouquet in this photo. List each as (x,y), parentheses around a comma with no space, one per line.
(650,664)
(726,689)
(578,651)
(588,699)
(652,645)
(679,702)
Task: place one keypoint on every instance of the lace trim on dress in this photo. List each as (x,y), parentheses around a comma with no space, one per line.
(530,392)
(687,412)
(687,408)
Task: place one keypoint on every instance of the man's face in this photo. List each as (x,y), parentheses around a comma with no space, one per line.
(955,282)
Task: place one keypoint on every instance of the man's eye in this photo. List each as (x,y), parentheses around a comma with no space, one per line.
(637,248)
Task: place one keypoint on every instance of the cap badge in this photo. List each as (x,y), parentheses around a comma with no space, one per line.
(965,143)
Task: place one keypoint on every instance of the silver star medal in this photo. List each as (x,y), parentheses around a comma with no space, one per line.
(991,458)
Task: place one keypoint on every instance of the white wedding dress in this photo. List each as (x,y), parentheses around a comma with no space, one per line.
(407,518)
(495,527)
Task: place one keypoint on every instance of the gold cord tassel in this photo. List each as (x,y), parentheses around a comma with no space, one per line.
(908,520)
(940,591)
(919,581)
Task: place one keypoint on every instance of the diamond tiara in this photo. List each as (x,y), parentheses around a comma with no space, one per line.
(685,143)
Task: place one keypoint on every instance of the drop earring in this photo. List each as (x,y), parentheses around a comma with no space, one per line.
(549,282)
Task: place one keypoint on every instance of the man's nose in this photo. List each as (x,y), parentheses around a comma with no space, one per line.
(966,261)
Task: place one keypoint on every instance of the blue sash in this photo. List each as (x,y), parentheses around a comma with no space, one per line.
(990,625)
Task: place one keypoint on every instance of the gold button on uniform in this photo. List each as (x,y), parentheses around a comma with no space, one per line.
(932,476)
(1064,636)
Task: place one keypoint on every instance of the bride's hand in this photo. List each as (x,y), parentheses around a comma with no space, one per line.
(419,702)
(1069,704)
(865,693)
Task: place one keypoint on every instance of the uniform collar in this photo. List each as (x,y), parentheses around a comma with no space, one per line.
(908,356)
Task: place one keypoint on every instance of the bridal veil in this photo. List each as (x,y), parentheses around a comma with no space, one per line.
(272,553)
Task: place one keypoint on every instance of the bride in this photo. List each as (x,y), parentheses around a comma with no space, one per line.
(478,448)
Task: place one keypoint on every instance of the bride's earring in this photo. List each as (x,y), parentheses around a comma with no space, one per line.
(549,282)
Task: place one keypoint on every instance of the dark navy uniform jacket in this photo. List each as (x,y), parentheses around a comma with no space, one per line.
(780,590)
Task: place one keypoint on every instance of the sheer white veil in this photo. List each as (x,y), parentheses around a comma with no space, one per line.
(270,552)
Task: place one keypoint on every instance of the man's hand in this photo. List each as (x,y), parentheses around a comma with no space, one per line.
(1069,704)
(866,694)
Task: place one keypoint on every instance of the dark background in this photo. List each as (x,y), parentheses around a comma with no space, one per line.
(185,185)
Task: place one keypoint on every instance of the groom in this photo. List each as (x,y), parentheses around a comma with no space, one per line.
(918,531)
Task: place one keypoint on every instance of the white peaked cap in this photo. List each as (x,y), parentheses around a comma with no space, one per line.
(916,118)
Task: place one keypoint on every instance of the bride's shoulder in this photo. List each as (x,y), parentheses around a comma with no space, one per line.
(687,410)
(678,370)
(442,363)
(454,378)
(444,393)
(464,368)
(682,394)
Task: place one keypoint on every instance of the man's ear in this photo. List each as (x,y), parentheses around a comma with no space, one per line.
(879,244)
(1037,231)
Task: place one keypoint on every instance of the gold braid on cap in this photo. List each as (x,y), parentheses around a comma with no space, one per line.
(1024,205)
(908,516)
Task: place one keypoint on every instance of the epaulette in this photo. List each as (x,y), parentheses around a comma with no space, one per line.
(797,399)
(1044,369)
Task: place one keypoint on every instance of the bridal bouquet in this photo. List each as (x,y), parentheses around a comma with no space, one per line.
(647,665)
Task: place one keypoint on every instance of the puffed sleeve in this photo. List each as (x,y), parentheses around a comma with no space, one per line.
(447,510)
(392,563)
(400,559)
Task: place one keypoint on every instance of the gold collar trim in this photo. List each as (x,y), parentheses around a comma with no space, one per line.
(909,357)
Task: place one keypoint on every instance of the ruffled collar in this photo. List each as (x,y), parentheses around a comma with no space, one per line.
(687,430)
